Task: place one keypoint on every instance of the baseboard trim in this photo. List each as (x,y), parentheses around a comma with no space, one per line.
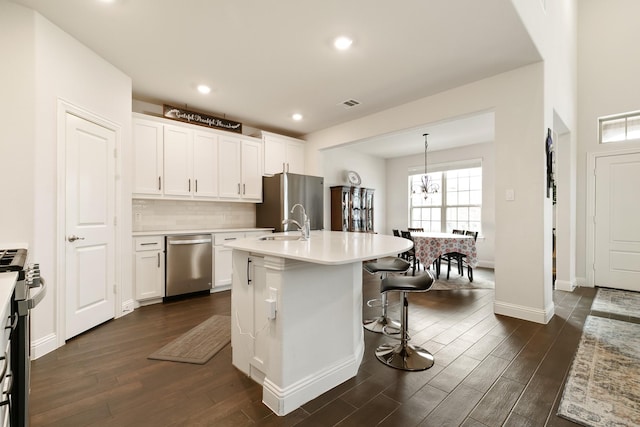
(284,400)
(523,312)
(486,264)
(43,345)
(565,285)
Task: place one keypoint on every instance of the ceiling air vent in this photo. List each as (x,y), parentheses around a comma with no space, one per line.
(350,103)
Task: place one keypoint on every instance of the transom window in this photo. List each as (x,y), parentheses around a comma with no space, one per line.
(622,127)
(458,204)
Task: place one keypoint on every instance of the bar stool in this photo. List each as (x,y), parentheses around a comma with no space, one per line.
(384,267)
(404,355)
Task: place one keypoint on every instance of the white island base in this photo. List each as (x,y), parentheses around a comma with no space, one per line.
(314,343)
(297,311)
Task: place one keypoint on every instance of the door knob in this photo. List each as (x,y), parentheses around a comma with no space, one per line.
(73,238)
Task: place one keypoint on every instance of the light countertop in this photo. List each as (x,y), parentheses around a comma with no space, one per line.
(327,247)
(213,230)
(7,283)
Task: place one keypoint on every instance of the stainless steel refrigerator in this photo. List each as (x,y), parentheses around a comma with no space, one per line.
(281,192)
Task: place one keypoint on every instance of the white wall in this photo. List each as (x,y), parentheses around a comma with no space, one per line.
(17,132)
(523,278)
(527,102)
(397,204)
(371,170)
(45,66)
(608,83)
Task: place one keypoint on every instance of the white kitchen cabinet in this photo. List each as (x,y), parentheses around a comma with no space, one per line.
(191,160)
(183,161)
(240,168)
(205,164)
(149,267)
(222,258)
(178,165)
(250,346)
(251,170)
(148,155)
(282,154)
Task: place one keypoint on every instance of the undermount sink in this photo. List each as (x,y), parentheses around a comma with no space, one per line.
(280,237)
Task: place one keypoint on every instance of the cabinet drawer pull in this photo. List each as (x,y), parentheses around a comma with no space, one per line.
(238,188)
(5,365)
(12,324)
(159,183)
(244,188)
(7,390)
(196,185)
(148,243)
(189,185)
(158,259)
(248,271)
(230,238)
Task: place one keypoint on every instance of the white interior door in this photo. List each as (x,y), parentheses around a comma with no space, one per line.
(617,235)
(90,260)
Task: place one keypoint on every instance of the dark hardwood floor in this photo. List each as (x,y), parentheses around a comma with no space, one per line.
(490,370)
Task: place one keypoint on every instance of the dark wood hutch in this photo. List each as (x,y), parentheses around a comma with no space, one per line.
(352,209)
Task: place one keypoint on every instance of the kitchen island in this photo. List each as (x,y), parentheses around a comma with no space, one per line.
(296,310)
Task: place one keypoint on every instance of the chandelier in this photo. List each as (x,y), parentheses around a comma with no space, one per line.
(427,186)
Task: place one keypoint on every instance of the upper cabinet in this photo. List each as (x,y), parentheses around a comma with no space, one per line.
(178,161)
(178,165)
(282,154)
(205,160)
(240,168)
(148,157)
(190,162)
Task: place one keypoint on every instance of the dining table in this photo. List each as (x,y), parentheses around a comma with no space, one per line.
(430,246)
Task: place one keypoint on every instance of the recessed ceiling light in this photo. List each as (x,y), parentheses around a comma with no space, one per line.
(204,89)
(297,117)
(342,43)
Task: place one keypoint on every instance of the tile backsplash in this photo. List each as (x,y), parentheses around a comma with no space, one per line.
(161,215)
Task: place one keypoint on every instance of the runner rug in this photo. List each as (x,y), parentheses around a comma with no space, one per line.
(199,344)
(603,386)
(615,301)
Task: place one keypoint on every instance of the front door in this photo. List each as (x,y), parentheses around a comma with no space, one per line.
(90,257)
(617,234)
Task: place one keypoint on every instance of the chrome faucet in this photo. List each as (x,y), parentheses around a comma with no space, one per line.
(305,229)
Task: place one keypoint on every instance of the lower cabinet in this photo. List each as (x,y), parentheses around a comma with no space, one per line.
(250,343)
(222,271)
(222,258)
(149,267)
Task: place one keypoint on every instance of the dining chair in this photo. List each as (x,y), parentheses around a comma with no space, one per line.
(415,230)
(473,234)
(410,255)
(453,256)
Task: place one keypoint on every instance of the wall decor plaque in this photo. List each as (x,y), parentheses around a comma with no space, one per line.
(201,119)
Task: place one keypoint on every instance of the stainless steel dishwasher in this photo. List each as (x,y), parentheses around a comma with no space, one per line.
(189,264)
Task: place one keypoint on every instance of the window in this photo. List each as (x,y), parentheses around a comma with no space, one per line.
(458,204)
(622,127)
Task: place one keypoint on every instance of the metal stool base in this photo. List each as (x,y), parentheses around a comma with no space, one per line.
(381,322)
(405,357)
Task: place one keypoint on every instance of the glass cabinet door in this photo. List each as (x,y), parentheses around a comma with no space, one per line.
(356,209)
(346,209)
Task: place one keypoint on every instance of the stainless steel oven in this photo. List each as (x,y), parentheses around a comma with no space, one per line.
(29,291)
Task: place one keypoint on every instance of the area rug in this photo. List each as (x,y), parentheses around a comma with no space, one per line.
(614,301)
(603,386)
(199,344)
(457,282)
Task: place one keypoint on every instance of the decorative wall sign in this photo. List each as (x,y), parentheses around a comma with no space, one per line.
(201,119)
